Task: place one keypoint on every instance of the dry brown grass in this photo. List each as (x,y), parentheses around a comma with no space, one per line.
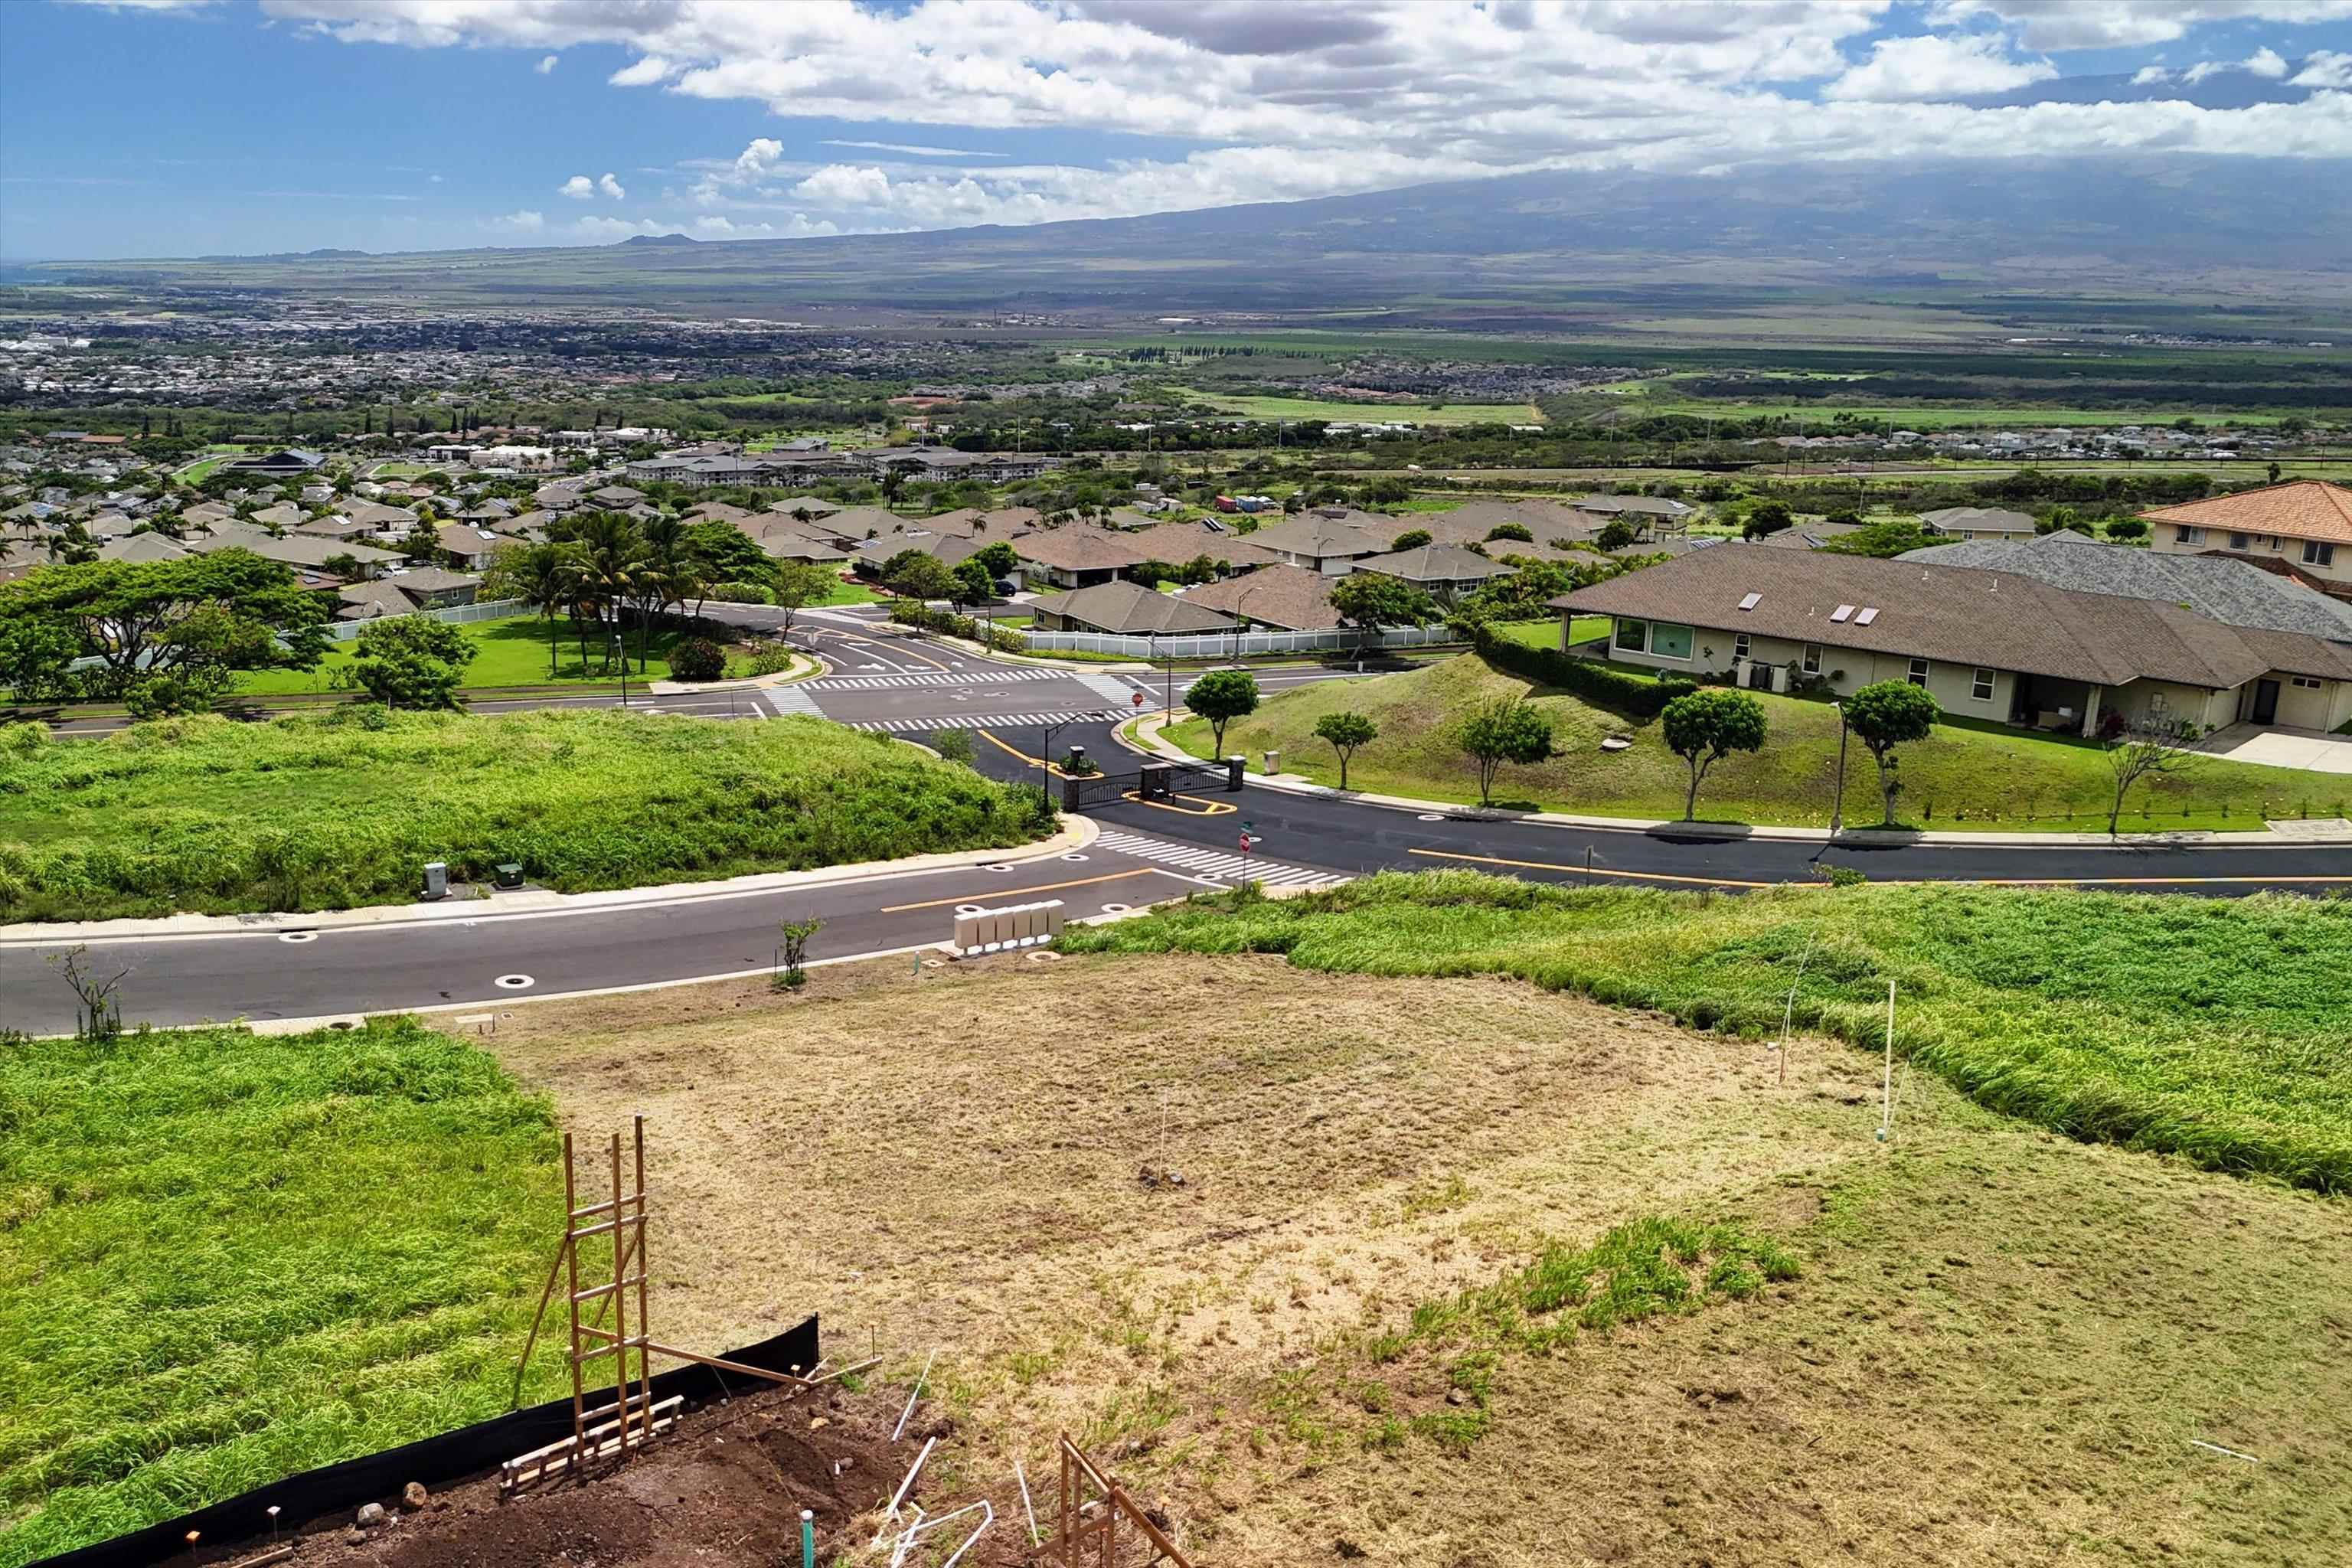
(1998,1353)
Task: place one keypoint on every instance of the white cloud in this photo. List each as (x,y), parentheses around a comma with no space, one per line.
(525,222)
(1927,66)
(144,4)
(579,187)
(611,187)
(2324,68)
(2148,76)
(2266,62)
(2060,25)
(1326,96)
(433,179)
(546,64)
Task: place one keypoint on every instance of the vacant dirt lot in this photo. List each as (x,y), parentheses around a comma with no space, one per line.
(1999,1349)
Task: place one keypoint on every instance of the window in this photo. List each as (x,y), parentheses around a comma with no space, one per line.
(1981,687)
(2315,553)
(2237,542)
(1633,635)
(1812,663)
(2188,535)
(1918,676)
(1740,645)
(1670,641)
(2309,683)
(2158,704)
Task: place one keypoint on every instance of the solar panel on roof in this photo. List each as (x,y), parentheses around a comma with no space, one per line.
(1842,611)
(1866,616)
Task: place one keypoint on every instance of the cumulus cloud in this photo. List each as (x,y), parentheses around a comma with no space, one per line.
(145,5)
(2266,62)
(1929,66)
(1308,98)
(611,187)
(601,228)
(525,222)
(2324,68)
(2148,76)
(546,64)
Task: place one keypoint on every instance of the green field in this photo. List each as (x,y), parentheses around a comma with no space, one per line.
(2209,1028)
(1969,776)
(1649,399)
(511,652)
(343,807)
(1409,412)
(225,1258)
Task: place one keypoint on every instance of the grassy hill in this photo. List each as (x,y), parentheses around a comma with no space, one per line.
(1966,776)
(344,807)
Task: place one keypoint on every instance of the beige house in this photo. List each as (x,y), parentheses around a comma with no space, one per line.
(1986,644)
(2306,525)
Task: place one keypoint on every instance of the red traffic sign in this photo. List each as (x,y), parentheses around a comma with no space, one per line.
(1139,700)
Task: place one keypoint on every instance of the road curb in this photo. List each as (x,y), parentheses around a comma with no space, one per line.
(1147,737)
(1075,833)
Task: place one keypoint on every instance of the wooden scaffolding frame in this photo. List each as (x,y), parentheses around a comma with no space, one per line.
(632,1416)
(1084,1541)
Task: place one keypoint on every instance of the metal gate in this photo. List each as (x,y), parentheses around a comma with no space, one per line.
(1162,782)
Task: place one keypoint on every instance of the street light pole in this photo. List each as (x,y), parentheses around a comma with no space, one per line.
(1837,803)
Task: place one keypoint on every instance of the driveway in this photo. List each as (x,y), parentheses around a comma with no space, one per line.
(2273,746)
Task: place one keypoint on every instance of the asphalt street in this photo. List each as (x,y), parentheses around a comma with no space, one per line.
(471,952)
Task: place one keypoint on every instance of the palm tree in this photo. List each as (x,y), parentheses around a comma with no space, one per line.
(608,561)
(539,576)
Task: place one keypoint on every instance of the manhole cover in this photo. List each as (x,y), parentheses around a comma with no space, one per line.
(297,936)
(1074,856)
(1431,816)
(1116,908)
(514,983)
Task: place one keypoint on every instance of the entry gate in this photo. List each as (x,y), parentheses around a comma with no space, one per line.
(1158,781)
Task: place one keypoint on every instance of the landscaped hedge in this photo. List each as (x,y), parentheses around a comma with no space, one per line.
(1635,696)
(907,613)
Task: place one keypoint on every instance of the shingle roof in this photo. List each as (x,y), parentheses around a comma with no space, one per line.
(1976,520)
(1129,607)
(1080,549)
(1956,615)
(2300,508)
(1434,564)
(2233,592)
(1178,542)
(1311,534)
(1296,598)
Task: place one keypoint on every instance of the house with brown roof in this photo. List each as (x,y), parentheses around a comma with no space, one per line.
(1329,540)
(1441,571)
(1978,523)
(422,588)
(1128,609)
(1077,556)
(1986,644)
(1286,598)
(2305,522)
(1180,543)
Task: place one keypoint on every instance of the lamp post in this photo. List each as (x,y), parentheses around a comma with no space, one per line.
(1837,802)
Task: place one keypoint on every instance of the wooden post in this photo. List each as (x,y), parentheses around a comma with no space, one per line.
(620,1300)
(571,1267)
(644,1312)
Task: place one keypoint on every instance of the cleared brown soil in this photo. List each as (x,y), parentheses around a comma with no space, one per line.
(1998,1351)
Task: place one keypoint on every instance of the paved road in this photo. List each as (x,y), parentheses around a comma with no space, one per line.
(457,953)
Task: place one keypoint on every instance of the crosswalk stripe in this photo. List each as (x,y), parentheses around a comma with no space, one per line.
(974,721)
(791,699)
(991,677)
(1215,864)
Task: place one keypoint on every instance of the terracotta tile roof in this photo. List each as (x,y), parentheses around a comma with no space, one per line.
(1954,615)
(2300,508)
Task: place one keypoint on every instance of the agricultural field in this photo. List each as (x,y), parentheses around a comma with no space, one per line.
(341,808)
(1969,776)
(1410,412)
(1465,1266)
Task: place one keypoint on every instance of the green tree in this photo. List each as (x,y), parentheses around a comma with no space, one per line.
(1220,697)
(724,552)
(911,575)
(1411,539)
(1887,715)
(999,560)
(1518,530)
(538,576)
(194,620)
(1617,534)
(1706,727)
(973,586)
(608,564)
(411,661)
(798,584)
(1369,602)
(1346,732)
(1506,730)
(1764,519)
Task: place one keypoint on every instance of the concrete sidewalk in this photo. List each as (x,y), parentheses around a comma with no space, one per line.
(2296,836)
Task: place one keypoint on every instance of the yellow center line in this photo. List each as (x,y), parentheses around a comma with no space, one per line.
(1048,887)
(1053,768)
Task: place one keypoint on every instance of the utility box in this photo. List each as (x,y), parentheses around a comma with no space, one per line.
(1235,768)
(436,879)
(1155,781)
(510,875)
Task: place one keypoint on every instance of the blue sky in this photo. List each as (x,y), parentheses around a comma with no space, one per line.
(184,127)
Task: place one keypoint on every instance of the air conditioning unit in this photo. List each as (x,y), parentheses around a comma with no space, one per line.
(1757,675)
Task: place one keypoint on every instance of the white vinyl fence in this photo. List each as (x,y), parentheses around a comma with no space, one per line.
(1231,645)
(485,610)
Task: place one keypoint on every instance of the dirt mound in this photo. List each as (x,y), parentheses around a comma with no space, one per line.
(726,1486)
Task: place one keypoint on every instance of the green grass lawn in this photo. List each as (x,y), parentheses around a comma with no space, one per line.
(224,1259)
(2208,1027)
(1408,412)
(513,652)
(1969,776)
(343,807)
